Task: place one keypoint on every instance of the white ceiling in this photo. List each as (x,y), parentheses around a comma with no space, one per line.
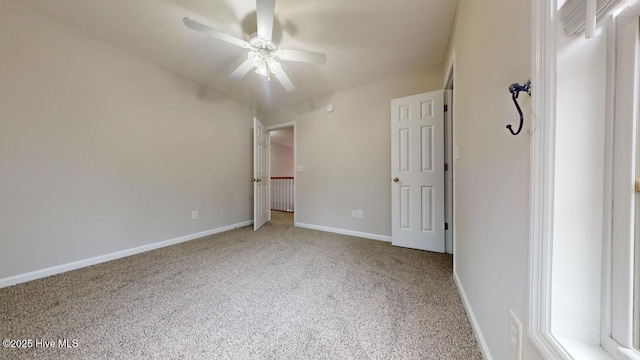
(365,40)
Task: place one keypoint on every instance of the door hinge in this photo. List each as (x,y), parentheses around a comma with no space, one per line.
(446,226)
(446,108)
(446,167)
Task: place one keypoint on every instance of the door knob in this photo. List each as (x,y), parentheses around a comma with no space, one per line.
(258,180)
(395,179)
(637,184)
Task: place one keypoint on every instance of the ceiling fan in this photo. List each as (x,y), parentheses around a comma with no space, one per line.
(263,53)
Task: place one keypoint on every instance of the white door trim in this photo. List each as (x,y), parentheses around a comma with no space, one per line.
(448,174)
(450,143)
(449,84)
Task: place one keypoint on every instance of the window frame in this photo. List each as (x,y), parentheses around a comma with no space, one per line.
(543,97)
(618,327)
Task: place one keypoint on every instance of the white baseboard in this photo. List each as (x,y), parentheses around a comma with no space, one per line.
(33,275)
(484,348)
(345,232)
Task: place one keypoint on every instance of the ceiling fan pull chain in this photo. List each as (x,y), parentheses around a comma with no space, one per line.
(268,71)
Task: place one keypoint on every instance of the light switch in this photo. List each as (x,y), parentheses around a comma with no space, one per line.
(300,168)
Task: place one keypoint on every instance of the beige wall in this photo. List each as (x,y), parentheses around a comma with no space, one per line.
(346,154)
(491,41)
(101,151)
(281,160)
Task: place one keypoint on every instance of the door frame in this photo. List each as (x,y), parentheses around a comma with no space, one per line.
(295,164)
(450,156)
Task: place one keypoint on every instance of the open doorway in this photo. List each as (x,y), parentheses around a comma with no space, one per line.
(282,175)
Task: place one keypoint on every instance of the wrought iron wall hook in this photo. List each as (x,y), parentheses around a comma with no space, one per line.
(515,90)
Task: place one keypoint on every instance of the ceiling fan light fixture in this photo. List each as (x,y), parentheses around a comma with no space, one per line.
(255,58)
(262,69)
(274,66)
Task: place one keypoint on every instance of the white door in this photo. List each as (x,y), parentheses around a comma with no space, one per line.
(417,171)
(261,202)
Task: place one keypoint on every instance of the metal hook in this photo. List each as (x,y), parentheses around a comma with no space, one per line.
(515,90)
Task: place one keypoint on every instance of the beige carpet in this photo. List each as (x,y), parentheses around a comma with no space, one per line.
(280,293)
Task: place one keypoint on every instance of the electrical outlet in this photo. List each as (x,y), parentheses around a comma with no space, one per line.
(353,213)
(194,215)
(360,214)
(515,335)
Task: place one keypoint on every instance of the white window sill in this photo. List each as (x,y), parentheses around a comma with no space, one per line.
(630,354)
(582,350)
(620,352)
(585,351)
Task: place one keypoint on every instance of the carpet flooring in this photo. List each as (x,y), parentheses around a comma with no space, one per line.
(279,293)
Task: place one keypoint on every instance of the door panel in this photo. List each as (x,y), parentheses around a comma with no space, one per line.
(426,108)
(405,150)
(417,170)
(426,145)
(261,183)
(427,208)
(405,207)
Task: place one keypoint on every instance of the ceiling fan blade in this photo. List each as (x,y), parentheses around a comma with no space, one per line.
(303,56)
(242,70)
(265,12)
(194,25)
(284,80)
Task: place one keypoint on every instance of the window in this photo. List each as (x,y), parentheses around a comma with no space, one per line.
(583,301)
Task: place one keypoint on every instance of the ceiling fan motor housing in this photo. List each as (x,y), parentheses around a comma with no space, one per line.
(262,56)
